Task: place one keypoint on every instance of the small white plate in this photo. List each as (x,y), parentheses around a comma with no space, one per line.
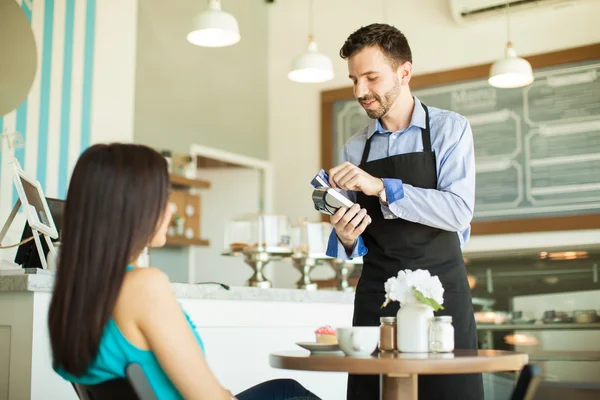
(315,347)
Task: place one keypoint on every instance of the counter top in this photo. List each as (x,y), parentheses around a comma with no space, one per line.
(43,282)
(537,326)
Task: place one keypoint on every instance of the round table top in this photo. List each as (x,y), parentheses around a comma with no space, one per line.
(458,362)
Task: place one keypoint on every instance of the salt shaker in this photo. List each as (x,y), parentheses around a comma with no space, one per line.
(387,334)
(441,335)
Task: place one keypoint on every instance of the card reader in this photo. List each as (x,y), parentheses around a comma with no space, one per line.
(329,200)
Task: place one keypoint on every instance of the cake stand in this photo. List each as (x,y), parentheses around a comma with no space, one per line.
(257,258)
(343,269)
(305,263)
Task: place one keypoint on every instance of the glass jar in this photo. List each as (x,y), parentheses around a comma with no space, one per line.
(387,334)
(441,335)
(310,239)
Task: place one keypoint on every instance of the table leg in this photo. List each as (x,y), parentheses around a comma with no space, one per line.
(399,387)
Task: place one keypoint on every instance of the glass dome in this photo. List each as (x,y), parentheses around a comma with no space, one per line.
(258,233)
(309,239)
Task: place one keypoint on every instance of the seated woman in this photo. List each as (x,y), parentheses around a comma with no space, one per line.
(106,312)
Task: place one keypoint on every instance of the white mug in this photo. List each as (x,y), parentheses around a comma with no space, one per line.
(358,340)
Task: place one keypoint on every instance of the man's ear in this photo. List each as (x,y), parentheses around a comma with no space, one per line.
(404,72)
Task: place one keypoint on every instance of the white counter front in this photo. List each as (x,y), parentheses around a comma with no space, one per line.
(240,328)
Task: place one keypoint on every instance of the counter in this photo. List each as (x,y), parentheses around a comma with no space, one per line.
(44,282)
(242,324)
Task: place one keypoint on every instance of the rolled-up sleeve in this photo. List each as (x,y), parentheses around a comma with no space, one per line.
(336,249)
(450,206)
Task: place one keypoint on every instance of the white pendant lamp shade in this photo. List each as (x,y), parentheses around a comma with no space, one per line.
(510,72)
(214,27)
(312,66)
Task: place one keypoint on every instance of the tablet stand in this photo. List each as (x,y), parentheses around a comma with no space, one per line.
(36,235)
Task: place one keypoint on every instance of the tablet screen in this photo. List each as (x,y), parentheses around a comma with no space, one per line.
(33,197)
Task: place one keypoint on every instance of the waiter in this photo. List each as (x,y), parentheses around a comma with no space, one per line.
(412,172)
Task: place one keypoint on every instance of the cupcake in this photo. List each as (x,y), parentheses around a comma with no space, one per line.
(326,334)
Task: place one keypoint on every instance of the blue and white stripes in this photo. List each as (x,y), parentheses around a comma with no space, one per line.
(54,119)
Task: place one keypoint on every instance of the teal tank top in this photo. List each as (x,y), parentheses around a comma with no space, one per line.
(116,352)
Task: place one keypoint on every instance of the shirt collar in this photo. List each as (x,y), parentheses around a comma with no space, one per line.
(417,119)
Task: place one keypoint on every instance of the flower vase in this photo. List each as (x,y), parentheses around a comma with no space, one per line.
(413,327)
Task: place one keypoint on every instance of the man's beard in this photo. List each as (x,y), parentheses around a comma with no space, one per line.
(384,104)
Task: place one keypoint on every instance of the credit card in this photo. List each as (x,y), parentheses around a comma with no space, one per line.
(321,180)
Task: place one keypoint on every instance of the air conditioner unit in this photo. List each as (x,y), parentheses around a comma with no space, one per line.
(465,11)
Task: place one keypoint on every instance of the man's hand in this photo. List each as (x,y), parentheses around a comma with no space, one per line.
(350,224)
(348,176)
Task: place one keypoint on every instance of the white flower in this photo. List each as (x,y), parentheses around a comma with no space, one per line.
(404,291)
(390,288)
(402,287)
(432,289)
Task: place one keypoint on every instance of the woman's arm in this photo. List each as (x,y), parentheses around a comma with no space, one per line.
(162,323)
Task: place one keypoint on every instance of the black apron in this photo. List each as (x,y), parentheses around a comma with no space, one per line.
(397,244)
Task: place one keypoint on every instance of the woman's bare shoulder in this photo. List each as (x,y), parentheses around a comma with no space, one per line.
(146,283)
(143,290)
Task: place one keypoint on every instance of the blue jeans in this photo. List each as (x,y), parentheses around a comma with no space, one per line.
(277,389)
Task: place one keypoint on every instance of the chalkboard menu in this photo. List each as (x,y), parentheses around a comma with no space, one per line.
(537,149)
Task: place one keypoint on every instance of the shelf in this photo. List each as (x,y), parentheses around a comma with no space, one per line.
(179,180)
(183,241)
(592,356)
(536,327)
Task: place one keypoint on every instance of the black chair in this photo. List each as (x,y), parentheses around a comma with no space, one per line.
(527,383)
(549,390)
(134,387)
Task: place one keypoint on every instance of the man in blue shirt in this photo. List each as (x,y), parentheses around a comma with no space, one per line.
(412,174)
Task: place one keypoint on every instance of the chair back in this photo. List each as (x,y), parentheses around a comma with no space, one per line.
(527,383)
(134,387)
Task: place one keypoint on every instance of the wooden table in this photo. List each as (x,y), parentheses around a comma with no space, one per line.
(399,371)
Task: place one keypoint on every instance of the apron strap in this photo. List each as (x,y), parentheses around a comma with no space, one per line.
(425,135)
(366,151)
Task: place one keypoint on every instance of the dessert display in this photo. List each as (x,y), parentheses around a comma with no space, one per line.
(258,238)
(309,243)
(238,246)
(258,233)
(309,239)
(326,335)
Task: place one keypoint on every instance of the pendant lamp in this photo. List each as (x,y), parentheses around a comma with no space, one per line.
(214,27)
(511,71)
(312,66)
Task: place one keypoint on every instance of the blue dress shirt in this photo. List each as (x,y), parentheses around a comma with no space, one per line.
(450,207)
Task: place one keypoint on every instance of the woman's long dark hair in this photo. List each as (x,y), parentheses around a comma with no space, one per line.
(116,198)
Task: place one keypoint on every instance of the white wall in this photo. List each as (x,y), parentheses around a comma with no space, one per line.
(437,42)
(187,94)
(103,35)
(113,92)
(218,206)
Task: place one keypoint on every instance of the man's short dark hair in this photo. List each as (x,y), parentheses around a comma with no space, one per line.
(389,39)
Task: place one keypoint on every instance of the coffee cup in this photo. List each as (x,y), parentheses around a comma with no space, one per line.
(358,340)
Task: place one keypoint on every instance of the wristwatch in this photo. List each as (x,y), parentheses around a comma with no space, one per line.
(382,195)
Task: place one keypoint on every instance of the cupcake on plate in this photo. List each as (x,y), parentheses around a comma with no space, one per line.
(326,335)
